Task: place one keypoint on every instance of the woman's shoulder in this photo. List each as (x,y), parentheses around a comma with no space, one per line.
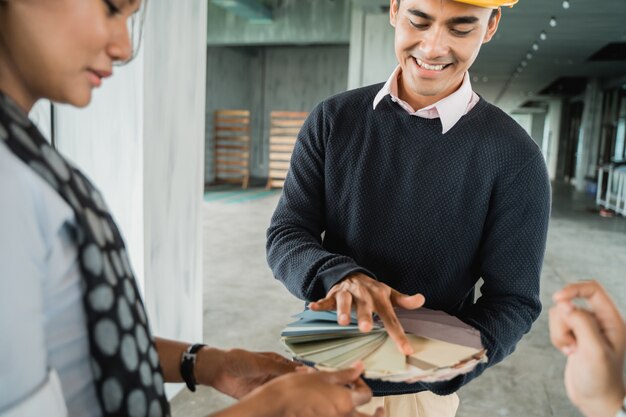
(31,210)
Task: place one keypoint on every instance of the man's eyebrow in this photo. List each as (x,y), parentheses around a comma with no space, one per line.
(421,14)
(459,20)
(462,20)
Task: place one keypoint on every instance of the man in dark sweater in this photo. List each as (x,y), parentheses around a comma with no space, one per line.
(382,201)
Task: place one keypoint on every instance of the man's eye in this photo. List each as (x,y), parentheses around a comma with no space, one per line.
(418,25)
(461,32)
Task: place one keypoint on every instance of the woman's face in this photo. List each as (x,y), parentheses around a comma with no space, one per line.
(61,49)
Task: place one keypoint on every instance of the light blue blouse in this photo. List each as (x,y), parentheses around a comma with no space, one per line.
(42,321)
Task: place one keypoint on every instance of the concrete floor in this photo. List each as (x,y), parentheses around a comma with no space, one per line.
(246,307)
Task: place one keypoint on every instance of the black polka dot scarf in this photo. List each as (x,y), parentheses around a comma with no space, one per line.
(124,360)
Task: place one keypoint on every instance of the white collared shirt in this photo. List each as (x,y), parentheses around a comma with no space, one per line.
(449,109)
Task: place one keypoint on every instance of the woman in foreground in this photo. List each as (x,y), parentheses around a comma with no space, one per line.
(75,337)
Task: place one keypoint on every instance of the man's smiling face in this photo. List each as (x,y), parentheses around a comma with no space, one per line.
(436,41)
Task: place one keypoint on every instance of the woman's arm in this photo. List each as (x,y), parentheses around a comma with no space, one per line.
(266,384)
(234,372)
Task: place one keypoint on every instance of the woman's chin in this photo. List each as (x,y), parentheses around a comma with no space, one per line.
(79,98)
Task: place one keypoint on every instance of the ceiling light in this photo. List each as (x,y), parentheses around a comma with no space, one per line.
(565,4)
(543,35)
(485,79)
(553,21)
(535,46)
(529,56)
(524,63)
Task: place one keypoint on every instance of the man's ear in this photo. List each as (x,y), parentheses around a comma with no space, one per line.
(492,27)
(393,12)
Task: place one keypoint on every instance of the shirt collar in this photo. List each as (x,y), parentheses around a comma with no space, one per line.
(449,109)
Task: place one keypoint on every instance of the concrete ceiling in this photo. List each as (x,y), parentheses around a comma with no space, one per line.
(581,30)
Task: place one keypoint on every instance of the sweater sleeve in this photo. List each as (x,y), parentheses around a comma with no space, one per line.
(511,257)
(294,246)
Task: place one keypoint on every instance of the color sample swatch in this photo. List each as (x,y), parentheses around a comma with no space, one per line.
(444,346)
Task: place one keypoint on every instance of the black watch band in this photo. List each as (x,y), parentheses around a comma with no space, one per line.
(187,365)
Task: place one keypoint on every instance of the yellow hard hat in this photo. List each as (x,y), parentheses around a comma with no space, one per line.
(489,4)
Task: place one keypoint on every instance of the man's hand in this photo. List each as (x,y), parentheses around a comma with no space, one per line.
(594,341)
(370,296)
(237,372)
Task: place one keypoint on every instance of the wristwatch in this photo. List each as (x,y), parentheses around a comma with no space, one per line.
(187,365)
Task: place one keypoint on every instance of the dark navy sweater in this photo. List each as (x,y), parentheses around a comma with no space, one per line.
(386,193)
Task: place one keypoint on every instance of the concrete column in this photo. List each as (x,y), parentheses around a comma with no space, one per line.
(587,152)
(142,143)
(372,55)
(524,120)
(355,65)
(551,136)
(537,127)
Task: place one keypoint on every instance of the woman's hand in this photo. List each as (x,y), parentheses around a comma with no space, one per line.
(237,372)
(314,394)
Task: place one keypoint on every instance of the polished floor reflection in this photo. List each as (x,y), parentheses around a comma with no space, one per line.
(245,307)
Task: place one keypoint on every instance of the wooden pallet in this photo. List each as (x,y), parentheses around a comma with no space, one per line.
(284,129)
(232,147)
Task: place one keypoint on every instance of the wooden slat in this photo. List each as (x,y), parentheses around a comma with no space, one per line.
(280,156)
(278,165)
(243,138)
(287,123)
(289,114)
(281,148)
(232,113)
(280,174)
(232,128)
(233,147)
(232,120)
(231,171)
(231,155)
(282,131)
(230,162)
(279,140)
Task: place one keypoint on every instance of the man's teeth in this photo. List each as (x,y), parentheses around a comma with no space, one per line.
(428,66)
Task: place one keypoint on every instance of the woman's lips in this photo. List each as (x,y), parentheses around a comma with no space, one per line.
(96,76)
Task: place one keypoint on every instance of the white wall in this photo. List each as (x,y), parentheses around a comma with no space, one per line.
(41,115)
(173,152)
(141,141)
(106,141)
